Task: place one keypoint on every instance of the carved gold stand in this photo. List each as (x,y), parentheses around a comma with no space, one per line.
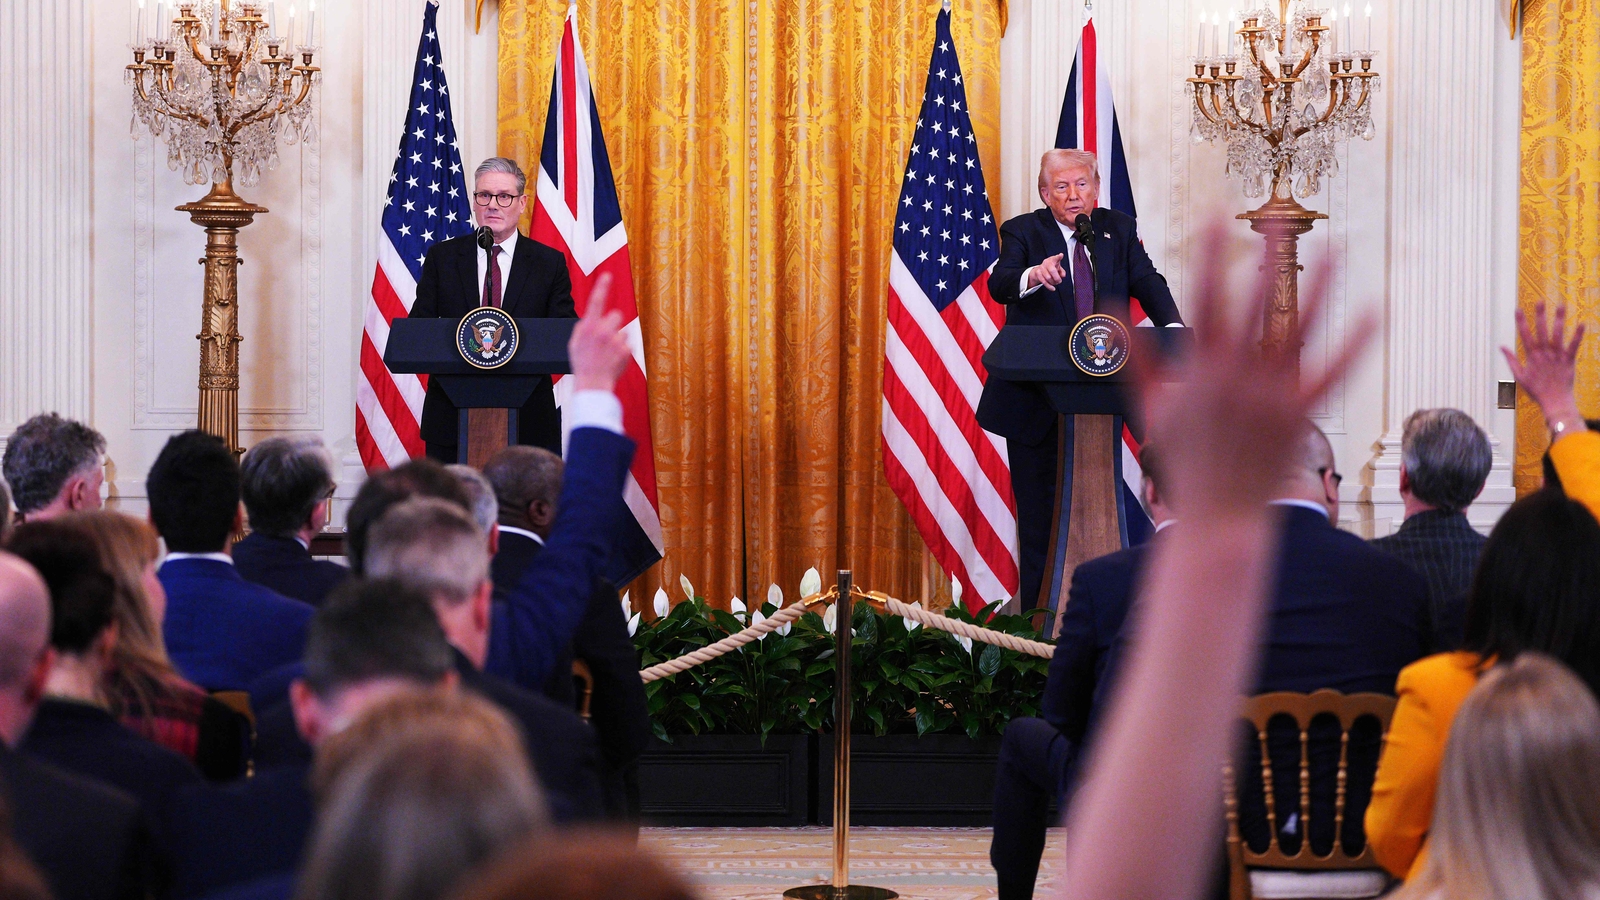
(222,213)
(1281,220)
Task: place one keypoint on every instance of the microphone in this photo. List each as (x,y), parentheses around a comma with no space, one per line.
(486,237)
(1083,230)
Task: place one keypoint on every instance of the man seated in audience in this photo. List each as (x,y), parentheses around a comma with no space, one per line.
(482,503)
(287,485)
(84,836)
(54,466)
(221,630)
(72,728)
(369,640)
(1444,461)
(526,483)
(1038,756)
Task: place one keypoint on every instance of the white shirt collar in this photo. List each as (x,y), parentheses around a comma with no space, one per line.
(1303,504)
(214,557)
(1162,526)
(524,532)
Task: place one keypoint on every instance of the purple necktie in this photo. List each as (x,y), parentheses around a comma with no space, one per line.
(491,285)
(1082,281)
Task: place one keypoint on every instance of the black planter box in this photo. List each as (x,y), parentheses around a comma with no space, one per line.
(728,779)
(934,780)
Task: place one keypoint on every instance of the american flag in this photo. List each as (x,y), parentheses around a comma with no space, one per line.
(576,211)
(952,476)
(427,202)
(1089,122)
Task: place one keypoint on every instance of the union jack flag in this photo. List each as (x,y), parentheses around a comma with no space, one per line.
(576,211)
(1089,122)
(952,476)
(427,202)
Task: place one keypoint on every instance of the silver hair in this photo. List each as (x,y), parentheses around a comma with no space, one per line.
(1059,158)
(44,453)
(429,543)
(1447,457)
(504,166)
(485,508)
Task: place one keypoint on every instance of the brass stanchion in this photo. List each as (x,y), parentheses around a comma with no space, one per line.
(839,887)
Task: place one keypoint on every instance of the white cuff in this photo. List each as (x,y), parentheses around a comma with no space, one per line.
(1022,289)
(1174,325)
(592,409)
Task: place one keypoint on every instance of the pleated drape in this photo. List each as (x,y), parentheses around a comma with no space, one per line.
(758,147)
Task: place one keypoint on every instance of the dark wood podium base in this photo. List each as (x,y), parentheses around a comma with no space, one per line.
(484,431)
(1094,524)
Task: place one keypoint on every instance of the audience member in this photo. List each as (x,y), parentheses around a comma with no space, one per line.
(485,508)
(1534,591)
(221,630)
(85,837)
(1231,419)
(1516,811)
(54,466)
(370,640)
(287,486)
(526,491)
(1038,755)
(142,688)
(420,789)
(1444,461)
(432,545)
(577,866)
(1549,372)
(72,726)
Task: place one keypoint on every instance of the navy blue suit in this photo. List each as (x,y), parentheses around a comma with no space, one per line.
(1344,616)
(281,564)
(240,832)
(222,631)
(529,631)
(1019,411)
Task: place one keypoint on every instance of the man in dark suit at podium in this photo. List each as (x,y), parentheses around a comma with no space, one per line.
(1054,270)
(515,273)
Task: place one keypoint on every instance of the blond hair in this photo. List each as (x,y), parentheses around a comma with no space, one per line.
(1061,158)
(422,787)
(1516,814)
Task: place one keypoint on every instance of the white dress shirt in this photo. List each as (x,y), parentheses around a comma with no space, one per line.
(507,248)
(214,557)
(524,532)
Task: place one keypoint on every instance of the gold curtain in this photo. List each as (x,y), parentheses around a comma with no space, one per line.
(758,147)
(1560,206)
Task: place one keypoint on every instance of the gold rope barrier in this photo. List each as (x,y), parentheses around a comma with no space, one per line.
(736,640)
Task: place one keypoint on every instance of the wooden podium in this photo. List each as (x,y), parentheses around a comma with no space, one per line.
(1091,517)
(428,347)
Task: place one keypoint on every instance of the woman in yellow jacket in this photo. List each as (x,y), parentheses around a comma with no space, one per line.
(1537,588)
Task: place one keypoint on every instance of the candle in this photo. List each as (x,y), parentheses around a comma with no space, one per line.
(138,23)
(1200,42)
(1346,44)
(311,25)
(162,25)
(216,21)
(1233,31)
(1369,27)
(288,36)
(272,18)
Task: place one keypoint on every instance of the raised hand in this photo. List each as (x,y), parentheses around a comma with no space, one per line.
(1048,273)
(1551,367)
(598,349)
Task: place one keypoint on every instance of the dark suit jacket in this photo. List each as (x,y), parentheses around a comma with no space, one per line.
(529,632)
(618,709)
(281,564)
(1444,549)
(222,631)
(561,746)
(537,286)
(1122,269)
(240,832)
(85,837)
(1344,616)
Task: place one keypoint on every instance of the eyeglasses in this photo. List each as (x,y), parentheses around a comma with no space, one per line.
(1326,471)
(483,198)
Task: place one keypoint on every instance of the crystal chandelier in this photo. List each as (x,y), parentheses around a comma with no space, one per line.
(1286,91)
(219,83)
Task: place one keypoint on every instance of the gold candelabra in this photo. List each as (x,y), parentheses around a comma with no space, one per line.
(1286,91)
(219,83)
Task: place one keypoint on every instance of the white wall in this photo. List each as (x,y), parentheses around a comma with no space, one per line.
(102,292)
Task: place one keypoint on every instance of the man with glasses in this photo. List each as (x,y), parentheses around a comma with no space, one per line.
(516,273)
(287,486)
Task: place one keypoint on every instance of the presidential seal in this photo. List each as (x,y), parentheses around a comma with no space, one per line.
(1099,345)
(487,337)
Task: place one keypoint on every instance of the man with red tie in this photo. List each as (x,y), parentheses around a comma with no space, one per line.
(515,273)
(1058,265)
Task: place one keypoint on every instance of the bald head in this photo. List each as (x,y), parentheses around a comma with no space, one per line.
(24,643)
(1312,473)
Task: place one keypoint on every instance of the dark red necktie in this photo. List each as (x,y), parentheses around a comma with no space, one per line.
(491,285)
(1082,281)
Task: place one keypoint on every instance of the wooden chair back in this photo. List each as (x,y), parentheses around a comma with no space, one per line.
(583,681)
(239,702)
(1302,708)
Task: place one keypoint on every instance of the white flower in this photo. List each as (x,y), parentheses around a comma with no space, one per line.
(955,592)
(775,596)
(784,628)
(662,604)
(912,624)
(633,625)
(737,607)
(627,606)
(966,643)
(811,582)
(830,619)
(756,618)
(688,589)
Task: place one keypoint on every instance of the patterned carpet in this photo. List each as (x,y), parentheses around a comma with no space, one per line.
(918,863)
